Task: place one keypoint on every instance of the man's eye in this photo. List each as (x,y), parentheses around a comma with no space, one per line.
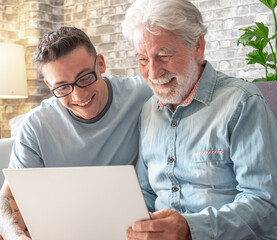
(143,61)
(63,88)
(164,57)
(85,79)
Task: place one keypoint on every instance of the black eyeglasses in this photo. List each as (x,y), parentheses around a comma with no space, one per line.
(82,82)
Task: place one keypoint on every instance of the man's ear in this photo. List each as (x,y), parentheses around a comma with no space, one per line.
(200,48)
(101,63)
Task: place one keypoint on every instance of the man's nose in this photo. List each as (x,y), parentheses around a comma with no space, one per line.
(155,69)
(78,93)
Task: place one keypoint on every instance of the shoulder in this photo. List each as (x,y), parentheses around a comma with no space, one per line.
(127,82)
(219,82)
(46,105)
(238,86)
(45,112)
(131,86)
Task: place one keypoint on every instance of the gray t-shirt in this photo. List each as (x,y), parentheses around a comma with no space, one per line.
(51,136)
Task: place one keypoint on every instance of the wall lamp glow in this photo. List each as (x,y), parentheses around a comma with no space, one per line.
(13,80)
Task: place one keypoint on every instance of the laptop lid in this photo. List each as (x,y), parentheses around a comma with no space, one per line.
(78,202)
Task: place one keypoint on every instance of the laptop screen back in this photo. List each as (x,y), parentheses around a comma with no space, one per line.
(78,202)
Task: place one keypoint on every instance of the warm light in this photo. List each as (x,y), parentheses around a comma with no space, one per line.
(13,80)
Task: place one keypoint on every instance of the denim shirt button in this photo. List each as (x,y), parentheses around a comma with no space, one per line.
(175,189)
(170,159)
(174,124)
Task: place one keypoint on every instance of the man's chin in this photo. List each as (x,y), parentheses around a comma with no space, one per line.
(163,97)
(170,100)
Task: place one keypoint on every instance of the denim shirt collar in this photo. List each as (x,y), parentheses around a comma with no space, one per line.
(206,85)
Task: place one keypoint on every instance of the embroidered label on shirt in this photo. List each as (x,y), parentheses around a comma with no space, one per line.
(208,152)
(208,156)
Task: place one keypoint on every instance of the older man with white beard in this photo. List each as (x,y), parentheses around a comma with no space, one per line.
(207,165)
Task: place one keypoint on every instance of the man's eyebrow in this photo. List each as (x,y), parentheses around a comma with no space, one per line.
(167,50)
(161,50)
(81,73)
(76,77)
(139,55)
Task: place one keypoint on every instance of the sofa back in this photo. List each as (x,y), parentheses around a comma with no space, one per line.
(269,91)
(5,152)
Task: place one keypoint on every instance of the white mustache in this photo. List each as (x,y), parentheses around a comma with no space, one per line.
(166,78)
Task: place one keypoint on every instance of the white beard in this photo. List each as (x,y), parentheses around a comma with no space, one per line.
(180,88)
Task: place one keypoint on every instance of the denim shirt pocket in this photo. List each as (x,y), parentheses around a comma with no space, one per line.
(208,156)
(212,167)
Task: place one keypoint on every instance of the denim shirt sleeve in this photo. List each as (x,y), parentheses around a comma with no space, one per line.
(253,213)
(142,172)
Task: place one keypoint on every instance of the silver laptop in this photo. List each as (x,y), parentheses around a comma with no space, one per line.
(78,202)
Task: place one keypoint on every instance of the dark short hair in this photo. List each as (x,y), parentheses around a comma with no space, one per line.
(60,42)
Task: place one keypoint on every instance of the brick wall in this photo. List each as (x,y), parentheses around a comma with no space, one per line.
(101,20)
(25,21)
(224,18)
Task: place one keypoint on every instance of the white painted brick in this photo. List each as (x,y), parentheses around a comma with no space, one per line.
(34,6)
(108,11)
(131,72)
(92,13)
(131,53)
(222,13)
(243,10)
(227,3)
(216,25)
(226,44)
(118,10)
(8,109)
(262,18)
(122,54)
(213,45)
(33,41)
(244,20)
(208,16)
(79,8)
(246,2)
(105,38)
(69,2)
(228,23)
(94,4)
(9,10)
(106,3)
(57,11)
(209,5)
(224,65)
(33,23)
(105,20)
(259,8)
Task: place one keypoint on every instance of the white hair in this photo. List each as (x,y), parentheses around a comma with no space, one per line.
(178,16)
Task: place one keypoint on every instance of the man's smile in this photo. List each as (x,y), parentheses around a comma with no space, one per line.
(85,103)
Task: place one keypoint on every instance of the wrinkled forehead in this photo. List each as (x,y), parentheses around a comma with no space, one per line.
(147,41)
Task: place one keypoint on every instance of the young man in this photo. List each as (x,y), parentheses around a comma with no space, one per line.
(90,121)
(207,162)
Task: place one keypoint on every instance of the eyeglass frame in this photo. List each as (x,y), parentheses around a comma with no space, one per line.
(76,82)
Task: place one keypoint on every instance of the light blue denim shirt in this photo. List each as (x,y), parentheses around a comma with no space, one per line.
(214,161)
